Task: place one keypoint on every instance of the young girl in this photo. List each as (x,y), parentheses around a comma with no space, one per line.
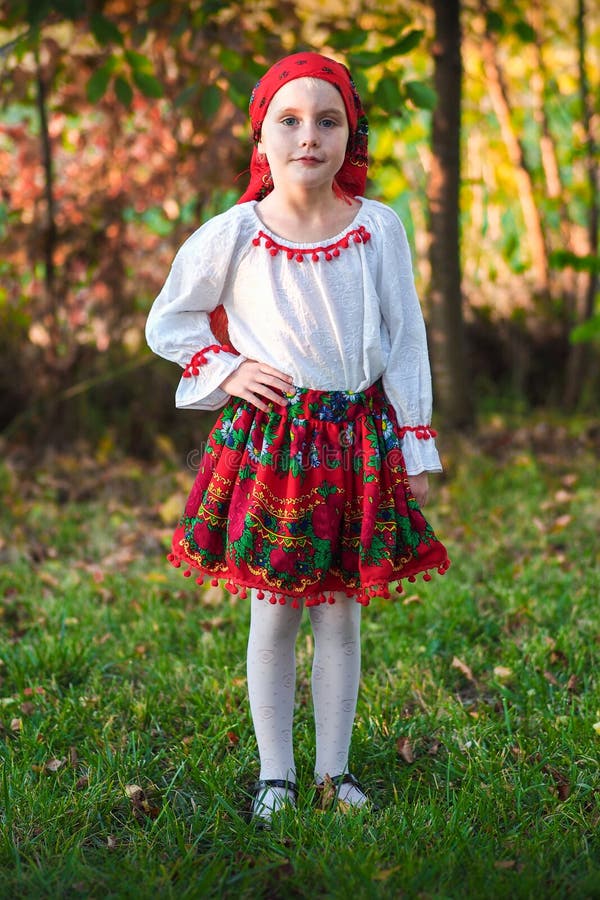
(310,488)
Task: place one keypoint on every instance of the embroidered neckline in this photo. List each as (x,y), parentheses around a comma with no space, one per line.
(358,235)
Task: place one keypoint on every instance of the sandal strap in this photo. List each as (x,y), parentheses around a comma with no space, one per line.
(264,783)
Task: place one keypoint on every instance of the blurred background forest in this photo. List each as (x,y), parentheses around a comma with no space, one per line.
(124,126)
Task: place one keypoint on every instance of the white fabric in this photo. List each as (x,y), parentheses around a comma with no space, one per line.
(331,325)
(335,679)
(271,668)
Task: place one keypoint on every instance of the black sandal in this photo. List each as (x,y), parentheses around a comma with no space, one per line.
(264,784)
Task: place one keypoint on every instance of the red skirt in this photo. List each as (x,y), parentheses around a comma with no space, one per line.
(307,501)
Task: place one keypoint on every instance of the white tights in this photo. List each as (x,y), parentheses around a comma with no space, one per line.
(272,684)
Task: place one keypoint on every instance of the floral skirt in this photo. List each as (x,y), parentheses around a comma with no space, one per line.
(306,501)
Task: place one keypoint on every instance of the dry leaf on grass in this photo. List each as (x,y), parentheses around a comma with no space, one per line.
(573,684)
(502,672)
(53,765)
(462,667)
(327,792)
(405,750)
(142,808)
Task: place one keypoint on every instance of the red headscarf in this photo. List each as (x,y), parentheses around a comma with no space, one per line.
(352,176)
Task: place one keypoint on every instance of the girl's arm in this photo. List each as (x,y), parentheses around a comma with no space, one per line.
(178,324)
(407,377)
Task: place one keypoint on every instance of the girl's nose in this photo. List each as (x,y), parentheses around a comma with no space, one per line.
(309,136)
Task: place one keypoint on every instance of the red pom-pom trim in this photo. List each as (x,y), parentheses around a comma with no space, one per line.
(200,358)
(358,235)
(421,432)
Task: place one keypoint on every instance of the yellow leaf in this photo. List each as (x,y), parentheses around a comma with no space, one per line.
(596,727)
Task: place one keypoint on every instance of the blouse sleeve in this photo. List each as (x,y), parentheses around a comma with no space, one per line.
(407,377)
(178,326)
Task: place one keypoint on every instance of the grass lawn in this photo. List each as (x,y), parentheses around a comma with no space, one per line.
(125,736)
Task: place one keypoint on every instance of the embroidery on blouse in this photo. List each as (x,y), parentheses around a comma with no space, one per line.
(358,235)
(199,358)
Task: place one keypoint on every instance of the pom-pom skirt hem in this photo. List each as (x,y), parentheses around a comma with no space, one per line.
(305,501)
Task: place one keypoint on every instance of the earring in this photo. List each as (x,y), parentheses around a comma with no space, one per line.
(267,180)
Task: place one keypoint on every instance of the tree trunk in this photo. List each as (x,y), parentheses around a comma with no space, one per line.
(500,101)
(454,400)
(46,146)
(578,357)
(567,280)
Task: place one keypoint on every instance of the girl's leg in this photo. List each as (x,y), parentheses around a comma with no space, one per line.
(335,678)
(271,690)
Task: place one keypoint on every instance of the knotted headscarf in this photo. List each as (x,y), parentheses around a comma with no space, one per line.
(352,176)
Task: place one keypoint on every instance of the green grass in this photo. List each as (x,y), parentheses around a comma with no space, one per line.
(116,671)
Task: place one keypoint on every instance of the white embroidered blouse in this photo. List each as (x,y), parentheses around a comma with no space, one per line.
(337,316)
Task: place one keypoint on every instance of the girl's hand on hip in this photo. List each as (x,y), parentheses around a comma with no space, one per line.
(419,485)
(256,382)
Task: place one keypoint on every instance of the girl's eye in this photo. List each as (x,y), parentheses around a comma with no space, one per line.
(289,120)
(328,123)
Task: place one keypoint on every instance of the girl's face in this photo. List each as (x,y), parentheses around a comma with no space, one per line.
(305,134)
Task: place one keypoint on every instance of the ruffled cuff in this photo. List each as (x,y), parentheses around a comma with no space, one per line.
(199,385)
(419,450)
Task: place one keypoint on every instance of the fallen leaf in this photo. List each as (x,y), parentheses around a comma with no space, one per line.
(233,738)
(27,708)
(573,684)
(405,750)
(142,808)
(596,727)
(414,598)
(327,790)
(550,678)
(505,864)
(53,765)
(82,783)
(133,791)
(16,724)
(561,782)
(462,667)
(502,672)
(562,496)
(73,756)
(561,522)
(111,842)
